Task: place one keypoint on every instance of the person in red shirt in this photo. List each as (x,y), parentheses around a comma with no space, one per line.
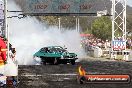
(3,50)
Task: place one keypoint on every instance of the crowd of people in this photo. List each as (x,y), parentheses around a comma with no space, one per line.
(129,43)
(90,42)
(4,60)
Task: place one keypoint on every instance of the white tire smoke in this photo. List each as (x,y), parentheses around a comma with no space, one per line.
(28,35)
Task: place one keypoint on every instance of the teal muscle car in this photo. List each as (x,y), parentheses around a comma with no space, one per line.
(54,55)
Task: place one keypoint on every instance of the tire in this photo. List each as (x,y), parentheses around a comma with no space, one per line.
(73,62)
(43,62)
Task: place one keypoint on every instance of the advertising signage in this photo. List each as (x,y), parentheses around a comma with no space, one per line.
(60,6)
(119,45)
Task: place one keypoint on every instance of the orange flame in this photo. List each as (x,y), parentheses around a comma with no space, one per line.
(82,72)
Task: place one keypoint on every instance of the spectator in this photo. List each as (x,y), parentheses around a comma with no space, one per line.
(3,50)
(12,52)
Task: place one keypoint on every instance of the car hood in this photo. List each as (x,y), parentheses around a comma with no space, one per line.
(69,54)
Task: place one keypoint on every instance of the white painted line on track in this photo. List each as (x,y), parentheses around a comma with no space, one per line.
(68,74)
(30,75)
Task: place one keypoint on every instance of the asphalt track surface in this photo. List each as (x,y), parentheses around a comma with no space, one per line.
(65,76)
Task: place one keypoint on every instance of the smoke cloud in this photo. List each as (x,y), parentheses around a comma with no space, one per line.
(28,35)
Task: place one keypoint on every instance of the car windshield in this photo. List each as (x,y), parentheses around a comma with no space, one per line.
(57,49)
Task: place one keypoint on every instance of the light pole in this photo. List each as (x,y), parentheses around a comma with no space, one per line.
(78,25)
(5,19)
(6,27)
(59,26)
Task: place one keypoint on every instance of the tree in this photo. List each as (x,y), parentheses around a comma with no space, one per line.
(102,28)
(129,23)
(51,20)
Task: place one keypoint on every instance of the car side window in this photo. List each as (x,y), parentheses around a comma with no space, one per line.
(47,50)
(42,50)
(52,50)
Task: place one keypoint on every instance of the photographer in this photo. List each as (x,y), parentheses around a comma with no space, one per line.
(12,53)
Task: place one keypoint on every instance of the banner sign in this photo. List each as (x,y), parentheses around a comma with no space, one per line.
(94,78)
(119,45)
(61,6)
(1,12)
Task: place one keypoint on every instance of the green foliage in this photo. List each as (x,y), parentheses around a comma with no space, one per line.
(88,31)
(102,28)
(129,23)
(51,20)
(68,22)
(85,22)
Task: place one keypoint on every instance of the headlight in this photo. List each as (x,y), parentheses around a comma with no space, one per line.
(75,56)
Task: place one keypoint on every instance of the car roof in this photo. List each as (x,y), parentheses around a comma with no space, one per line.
(52,46)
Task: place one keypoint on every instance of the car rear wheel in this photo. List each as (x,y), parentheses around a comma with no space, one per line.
(73,62)
(43,62)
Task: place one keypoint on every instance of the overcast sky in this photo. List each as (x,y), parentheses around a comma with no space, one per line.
(129,2)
